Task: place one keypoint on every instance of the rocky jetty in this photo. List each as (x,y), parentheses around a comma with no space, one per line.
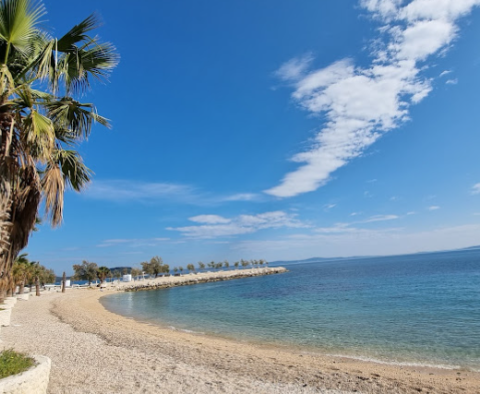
(166,282)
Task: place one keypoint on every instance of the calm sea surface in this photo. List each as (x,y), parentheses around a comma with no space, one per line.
(404,309)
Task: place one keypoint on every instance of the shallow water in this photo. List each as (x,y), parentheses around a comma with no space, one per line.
(422,308)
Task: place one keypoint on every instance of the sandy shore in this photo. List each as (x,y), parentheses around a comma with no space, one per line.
(96,351)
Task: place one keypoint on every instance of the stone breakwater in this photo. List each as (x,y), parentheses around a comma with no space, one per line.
(203,277)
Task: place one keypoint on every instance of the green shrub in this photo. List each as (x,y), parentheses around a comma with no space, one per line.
(12,363)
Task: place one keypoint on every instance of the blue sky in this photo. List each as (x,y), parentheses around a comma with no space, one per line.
(277,130)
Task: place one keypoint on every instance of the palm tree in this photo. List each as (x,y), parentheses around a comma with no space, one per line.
(36,270)
(201,265)
(117,274)
(136,272)
(39,128)
(20,272)
(86,271)
(102,273)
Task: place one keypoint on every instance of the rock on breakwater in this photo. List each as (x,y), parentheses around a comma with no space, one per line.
(203,277)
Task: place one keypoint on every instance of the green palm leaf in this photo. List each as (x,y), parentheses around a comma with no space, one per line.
(18,20)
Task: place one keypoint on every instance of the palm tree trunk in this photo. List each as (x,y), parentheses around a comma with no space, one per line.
(64,280)
(37,286)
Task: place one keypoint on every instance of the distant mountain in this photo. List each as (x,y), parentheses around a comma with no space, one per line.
(321,259)
(120,269)
(470,247)
(315,259)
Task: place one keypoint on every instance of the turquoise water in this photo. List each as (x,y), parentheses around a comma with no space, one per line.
(421,308)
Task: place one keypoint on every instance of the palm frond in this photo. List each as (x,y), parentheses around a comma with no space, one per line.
(18,20)
(77,34)
(77,66)
(78,117)
(39,134)
(53,187)
(75,174)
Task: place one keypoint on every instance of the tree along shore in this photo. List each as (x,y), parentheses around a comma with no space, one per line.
(165,282)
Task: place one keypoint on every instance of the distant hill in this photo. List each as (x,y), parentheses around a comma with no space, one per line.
(120,269)
(470,247)
(325,259)
(315,259)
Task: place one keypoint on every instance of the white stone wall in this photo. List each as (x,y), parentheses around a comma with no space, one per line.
(5,317)
(33,381)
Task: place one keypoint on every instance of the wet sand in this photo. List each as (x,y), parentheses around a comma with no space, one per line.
(96,351)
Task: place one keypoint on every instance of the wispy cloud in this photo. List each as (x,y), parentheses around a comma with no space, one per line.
(210,219)
(132,242)
(452,81)
(213,226)
(127,190)
(433,208)
(295,68)
(352,226)
(122,190)
(379,218)
(352,241)
(475,189)
(242,197)
(360,104)
(328,207)
(446,72)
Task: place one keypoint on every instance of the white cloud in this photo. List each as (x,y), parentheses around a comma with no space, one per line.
(123,190)
(411,213)
(349,227)
(209,219)
(331,242)
(294,68)
(360,104)
(433,208)
(327,207)
(242,197)
(452,82)
(216,226)
(126,190)
(446,72)
(476,189)
(380,218)
(132,242)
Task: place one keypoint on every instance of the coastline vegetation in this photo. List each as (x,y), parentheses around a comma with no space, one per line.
(155,267)
(26,272)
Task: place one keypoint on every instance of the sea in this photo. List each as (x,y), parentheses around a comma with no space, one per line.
(420,309)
